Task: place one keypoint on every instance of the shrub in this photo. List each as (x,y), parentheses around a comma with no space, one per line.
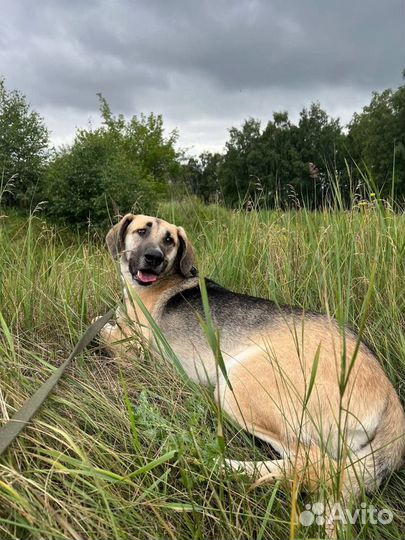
(23,147)
(119,166)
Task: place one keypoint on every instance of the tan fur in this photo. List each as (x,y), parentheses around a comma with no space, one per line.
(153,301)
(360,434)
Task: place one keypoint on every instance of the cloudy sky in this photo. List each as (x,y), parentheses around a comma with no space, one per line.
(206,65)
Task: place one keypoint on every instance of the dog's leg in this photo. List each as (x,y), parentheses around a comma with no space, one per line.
(258,403)
(111,335)
(255,469)
(238,400)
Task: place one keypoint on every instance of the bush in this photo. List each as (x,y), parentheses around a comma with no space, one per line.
(377,139)
(23,147)
(115,168)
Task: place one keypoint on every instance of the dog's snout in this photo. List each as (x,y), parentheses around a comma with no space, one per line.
(153,256)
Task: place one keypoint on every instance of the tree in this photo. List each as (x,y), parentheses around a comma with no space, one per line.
(202,175)
(268,166)
(377,139)
(322,149)
(23,146)
(124,164)
(284,167)
(242,164)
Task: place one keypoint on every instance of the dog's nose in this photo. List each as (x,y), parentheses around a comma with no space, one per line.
(153,256)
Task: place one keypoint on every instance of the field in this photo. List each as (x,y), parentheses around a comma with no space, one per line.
(128,448)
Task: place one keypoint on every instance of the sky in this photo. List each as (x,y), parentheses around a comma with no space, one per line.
(205,65)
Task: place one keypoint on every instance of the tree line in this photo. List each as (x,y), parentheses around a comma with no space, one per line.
(134,162)
(306,162)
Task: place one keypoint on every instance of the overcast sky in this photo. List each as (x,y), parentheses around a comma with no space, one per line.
(206,65)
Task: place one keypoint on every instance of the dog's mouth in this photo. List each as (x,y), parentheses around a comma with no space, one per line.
(145,277)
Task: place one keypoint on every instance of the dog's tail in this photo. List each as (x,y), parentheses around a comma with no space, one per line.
(381,456)
(311,467)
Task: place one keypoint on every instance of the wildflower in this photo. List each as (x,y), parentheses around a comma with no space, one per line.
(372,195)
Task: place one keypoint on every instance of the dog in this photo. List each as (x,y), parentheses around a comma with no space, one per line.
(296,380)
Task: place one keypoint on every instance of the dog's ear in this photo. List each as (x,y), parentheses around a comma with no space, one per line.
(115,238)
(186,255)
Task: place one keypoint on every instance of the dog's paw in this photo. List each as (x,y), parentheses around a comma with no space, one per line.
(107,329)
(96,319)
(229,465)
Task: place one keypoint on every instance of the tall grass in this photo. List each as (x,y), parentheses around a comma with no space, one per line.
(127,448)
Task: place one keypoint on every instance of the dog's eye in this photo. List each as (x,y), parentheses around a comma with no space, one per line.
(141,232)
(169,240)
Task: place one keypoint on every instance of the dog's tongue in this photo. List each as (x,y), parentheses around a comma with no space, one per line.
(146,277)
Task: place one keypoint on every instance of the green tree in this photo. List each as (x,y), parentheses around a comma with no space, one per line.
(121,165)
(201,175)
(377,139)
(23,146)
(281,158)
(284,161)
(242,164)
(321,143)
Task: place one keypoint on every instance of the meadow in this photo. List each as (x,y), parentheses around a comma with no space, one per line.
(127,448)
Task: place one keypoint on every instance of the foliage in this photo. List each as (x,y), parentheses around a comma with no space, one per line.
(242,161)
(267,165)
(303,163)
(120,165)
(23,147)
(130,163)
(201,175)
(321,148)
(377,139)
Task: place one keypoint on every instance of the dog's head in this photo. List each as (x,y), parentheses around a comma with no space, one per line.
(151,248)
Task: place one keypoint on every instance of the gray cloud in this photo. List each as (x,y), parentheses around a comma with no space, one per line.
(206,65)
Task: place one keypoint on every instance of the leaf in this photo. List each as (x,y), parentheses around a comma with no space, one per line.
(155,463)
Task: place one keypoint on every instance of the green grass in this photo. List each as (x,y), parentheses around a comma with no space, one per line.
(127,448)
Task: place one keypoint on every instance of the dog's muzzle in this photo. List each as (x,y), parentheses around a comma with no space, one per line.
(147,268)
(153,257)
